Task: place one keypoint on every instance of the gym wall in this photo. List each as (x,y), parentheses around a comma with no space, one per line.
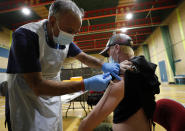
(158,53)
(5,42)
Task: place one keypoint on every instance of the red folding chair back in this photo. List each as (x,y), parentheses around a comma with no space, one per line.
(170,114)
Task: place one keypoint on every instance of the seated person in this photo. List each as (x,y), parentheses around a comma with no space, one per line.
(132,98)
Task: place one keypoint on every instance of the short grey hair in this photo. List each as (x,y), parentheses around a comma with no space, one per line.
(64,6)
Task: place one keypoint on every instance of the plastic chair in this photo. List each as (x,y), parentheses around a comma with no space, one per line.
(170,114)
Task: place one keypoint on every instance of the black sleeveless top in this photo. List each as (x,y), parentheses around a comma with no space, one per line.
(141,84)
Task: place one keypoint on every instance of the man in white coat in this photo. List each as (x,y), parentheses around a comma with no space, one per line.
(36,55)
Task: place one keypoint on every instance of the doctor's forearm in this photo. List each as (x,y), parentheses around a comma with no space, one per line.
(89,60)
(41,86)
(52,88)
(93,62)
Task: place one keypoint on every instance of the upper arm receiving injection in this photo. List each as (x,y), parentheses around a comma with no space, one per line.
(111,98)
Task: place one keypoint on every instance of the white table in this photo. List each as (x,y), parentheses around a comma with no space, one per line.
(70,97)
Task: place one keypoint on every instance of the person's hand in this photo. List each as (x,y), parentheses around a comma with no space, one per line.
(98,82)
(125,65)
(113,68)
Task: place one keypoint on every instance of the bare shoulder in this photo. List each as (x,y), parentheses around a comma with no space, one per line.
(116,89)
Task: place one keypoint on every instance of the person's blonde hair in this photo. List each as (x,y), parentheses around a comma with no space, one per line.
(127,50)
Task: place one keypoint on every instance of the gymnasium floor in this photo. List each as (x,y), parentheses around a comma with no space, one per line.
(175,92)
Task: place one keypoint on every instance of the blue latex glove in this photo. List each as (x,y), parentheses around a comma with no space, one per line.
(113,68)
(98,82)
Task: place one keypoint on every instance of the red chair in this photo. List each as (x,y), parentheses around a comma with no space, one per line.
(170,114)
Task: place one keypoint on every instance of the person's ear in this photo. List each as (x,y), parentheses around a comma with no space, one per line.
(117,48)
